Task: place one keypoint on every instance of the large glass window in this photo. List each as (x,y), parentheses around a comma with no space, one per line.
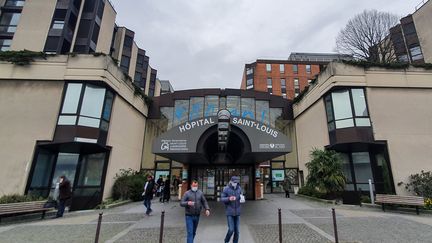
(5,44)
(275,115)
(15,3)
(181,112)
(295,68)
(233,105)
(91,170)
(262,111)
(167,114)
(9,22)
(416,53)
(346,108)
(248,108)
(66,165)
(282,68)
(308,68)
(92,106)
(362,170)
(211,105)
(196,109)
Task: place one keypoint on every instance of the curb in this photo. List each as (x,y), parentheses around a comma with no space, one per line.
(113,205)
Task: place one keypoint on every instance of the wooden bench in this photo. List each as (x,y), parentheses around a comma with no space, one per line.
(400,200)
(23,208)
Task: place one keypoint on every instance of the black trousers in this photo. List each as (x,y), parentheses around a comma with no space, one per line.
(287,194)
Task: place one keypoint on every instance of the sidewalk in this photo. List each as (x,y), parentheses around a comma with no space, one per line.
(303,221)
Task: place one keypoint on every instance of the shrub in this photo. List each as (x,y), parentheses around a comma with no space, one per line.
(129,185)
(420,184)
(15,198)
(23,57)
(312,192)
(325,172)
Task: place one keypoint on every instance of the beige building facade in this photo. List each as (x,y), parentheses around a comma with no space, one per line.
(378,119)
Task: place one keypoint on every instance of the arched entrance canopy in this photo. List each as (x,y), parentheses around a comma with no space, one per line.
(195,142)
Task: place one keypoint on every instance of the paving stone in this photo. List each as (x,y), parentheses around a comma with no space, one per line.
(60,233)
(319,212)
(376,229)
(290,233)
(121,217)
(151,235)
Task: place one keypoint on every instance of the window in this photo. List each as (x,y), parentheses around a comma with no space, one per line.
(249,71)
(9,22)
(309,81)
(140,60)
(284,95)
(308,68)
(58,24)
(296,87)
(15,3)
(196,109)
(269,83)
(346,108)
(181,112)
(248,108)
(295,68)
(249,82)
(403,58)
(5,44)
(233,105)
(268,67)
(51,44)
(138,77)
(262,111)
(416,53)
(86,105)
(124,64)
(128,42)
(282,68)
(283,83)
(211,105)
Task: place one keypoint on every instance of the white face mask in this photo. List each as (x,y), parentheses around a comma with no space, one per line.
(194,188)
(234,184)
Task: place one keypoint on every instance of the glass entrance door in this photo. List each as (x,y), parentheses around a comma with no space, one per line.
(212,180)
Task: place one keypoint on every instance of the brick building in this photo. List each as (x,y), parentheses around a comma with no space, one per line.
(286,78)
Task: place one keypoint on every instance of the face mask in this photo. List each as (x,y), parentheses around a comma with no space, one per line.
(234,184)
(194,188)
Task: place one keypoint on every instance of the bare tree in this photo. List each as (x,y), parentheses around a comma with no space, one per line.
(366,36)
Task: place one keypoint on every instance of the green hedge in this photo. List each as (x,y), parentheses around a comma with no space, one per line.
(129,184)
(15,198)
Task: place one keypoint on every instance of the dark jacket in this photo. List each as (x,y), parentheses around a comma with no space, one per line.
(65,190)
(166,189)
(198,198)
(232,208)
(286,185)
(148,192)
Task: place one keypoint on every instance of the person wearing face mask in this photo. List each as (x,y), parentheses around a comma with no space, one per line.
(193,201)
(232,197)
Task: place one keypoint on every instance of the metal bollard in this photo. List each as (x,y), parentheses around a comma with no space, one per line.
(98,228)
(335,226)
(280,225)
(161,227)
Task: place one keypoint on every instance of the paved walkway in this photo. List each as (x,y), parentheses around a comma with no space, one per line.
(303,221)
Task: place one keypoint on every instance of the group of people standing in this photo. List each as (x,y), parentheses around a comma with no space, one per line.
(160,188)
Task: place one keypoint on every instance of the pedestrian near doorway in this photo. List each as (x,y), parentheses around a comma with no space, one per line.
(65,194)
(232,198)
(176,182)
(149,189)
(286,186)
(159,183)
(193,201)
(166,193)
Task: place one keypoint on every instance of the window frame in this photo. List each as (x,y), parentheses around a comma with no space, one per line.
(353,116)
(268,67)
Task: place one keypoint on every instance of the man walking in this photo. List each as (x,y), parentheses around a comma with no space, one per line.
(286,186)
(64,195)
(148,194)
(193,201)
(232,197)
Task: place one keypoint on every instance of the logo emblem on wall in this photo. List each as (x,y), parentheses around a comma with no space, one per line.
(165,145)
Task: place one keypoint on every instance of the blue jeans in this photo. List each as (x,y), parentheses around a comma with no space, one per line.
(233,227)
(61,208)
(191,227)
(147,204)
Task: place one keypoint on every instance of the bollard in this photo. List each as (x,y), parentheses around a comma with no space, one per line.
(161,227)
(371,192)
(98,228)
(280,225)
(335,226)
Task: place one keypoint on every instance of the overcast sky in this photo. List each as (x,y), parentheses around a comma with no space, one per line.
(205,43)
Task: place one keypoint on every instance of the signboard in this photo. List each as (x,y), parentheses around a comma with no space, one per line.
(211,182)
(278,175)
